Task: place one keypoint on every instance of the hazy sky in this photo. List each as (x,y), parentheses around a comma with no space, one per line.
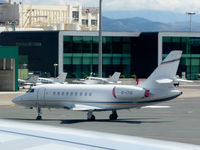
(165,5)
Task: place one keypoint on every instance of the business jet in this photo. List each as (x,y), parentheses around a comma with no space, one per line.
(35,80)
(158,87)
(28,136)
(96,80)
(60,80)
(30,81)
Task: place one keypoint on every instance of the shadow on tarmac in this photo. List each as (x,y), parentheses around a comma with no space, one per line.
(125,120)
(74,121)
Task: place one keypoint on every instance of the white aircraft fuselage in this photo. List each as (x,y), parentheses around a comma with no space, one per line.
(99,97)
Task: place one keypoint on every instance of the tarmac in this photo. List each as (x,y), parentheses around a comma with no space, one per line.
(180,121)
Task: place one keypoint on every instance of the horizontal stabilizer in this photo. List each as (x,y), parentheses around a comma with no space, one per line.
(84,107)
(164,81)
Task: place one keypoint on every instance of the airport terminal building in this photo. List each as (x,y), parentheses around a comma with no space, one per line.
(76,52)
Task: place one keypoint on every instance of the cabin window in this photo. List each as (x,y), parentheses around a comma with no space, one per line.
(58,93)
(67,93)
(76,93)
(90,94)
(71,94)
(54,93)
(63,93)
(85,93)
(81,93)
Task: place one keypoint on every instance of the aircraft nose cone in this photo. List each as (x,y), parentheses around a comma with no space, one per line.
(16,100)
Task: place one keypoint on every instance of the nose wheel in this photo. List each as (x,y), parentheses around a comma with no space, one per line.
(39,111)
(90,116)
(114,115)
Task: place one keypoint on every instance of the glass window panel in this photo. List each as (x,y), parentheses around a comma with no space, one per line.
(126,61)
(68,38)
(77,39)
(95,60)
(87,44)
(126,48)
(106,60)
(107,45)
(95,44)
(195,61)
(67,60)
(86,60)
(77,60)
(116,60)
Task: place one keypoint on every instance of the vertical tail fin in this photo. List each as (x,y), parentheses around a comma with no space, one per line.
(165,72)
(61,78)
(115,77)
(32,79)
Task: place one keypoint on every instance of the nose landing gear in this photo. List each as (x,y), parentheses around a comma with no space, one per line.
(39,111)
(90,116)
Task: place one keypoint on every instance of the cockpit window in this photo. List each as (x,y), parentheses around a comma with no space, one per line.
(30,90)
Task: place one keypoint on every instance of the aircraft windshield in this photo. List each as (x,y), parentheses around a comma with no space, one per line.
(30,90)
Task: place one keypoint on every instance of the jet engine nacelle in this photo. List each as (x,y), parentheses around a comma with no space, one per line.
(130,92)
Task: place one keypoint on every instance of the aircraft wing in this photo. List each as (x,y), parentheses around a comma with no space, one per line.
(84,107)
(26,136)
(183,80)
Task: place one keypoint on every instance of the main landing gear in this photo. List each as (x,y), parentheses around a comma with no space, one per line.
(90,116)
(39,111)
(114,115)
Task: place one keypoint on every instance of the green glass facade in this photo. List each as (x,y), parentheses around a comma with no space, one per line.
(190,61)
(76,52)
(81,55)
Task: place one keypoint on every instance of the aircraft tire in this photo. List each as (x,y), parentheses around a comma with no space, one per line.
(113,116)
(92,118)
(39,118)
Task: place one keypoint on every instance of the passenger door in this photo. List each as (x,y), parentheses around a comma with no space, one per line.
(41,97)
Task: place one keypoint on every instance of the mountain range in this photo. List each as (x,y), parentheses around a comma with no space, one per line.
(145,25)
(157,21)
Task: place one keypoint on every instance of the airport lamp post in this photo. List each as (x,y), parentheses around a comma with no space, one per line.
(100,40)
(55,66)
(24,67)
(190,14)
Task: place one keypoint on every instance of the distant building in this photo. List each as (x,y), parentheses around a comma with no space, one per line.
(20,16)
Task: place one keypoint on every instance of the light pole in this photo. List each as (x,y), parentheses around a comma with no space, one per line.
(55,66)
(24,67)
(100,40)
(190,14)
